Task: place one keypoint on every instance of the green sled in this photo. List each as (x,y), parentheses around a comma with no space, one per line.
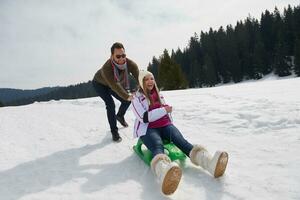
(171,150)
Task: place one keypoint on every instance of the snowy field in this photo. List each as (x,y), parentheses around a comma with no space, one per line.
(62,150)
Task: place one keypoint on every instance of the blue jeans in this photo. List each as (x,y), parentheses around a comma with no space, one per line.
(106,94)
(154,137)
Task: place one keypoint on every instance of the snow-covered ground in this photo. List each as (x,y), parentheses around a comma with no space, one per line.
(62,150)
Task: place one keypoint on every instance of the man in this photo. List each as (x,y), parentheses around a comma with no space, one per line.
(113,80)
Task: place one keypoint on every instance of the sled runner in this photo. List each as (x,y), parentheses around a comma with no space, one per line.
(171,150)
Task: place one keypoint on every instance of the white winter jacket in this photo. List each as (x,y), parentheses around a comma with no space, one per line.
(139,106)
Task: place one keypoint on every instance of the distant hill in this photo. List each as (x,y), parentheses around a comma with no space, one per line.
(14,97)
(81,90)
(9,94)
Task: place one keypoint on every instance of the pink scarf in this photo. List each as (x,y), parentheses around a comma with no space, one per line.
(117,67)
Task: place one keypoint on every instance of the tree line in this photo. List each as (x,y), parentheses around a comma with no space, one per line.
(249,50)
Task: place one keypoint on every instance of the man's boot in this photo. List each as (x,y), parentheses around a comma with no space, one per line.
(122,120)
(115,136)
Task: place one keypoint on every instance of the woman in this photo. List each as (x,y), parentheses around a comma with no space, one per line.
(153,124)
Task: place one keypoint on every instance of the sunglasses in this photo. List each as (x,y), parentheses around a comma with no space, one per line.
(122,55)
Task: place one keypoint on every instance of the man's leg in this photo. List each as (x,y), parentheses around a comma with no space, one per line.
(122,109)
(104,92)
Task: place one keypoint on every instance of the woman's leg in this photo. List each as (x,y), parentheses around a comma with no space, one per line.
(168,172)
(153,141)
(172,134)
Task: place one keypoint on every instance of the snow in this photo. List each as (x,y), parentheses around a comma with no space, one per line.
(63,150)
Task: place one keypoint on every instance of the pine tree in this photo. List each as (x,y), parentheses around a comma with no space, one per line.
(297,40)
(170,76)
(259,64)
(230,54)
(210,72)
(197,75)
(289,30)
(153,67)
(268,37)
(297,57)
(281,65)
(195,57)
(222,54)
(1,104)
(178,57)
(242,32)
(296,20)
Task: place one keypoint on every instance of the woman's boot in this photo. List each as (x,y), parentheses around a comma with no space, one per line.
(215,165)
(168,173)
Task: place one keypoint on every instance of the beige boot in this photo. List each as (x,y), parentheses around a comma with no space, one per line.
(216,165)
(168,173)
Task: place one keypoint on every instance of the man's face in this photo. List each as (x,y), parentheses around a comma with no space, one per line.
(119,56)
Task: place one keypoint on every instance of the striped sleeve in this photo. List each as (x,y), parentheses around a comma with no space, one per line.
(156,114)
(138,109)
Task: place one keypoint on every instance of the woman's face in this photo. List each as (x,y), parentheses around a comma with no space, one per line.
(149,82)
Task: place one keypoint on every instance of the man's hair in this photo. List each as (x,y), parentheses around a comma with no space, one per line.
(116,45)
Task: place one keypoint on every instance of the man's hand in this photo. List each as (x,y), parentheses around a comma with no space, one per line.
(130,97)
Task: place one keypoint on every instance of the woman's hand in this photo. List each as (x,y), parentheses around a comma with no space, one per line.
(168,108)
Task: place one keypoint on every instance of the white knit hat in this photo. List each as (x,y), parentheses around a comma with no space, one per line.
(142,75)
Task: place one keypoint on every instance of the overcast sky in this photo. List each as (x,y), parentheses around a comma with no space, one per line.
(62,42)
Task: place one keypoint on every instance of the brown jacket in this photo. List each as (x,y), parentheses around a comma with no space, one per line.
(105,76)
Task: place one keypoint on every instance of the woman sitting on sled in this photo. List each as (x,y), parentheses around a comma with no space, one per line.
(153,124)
